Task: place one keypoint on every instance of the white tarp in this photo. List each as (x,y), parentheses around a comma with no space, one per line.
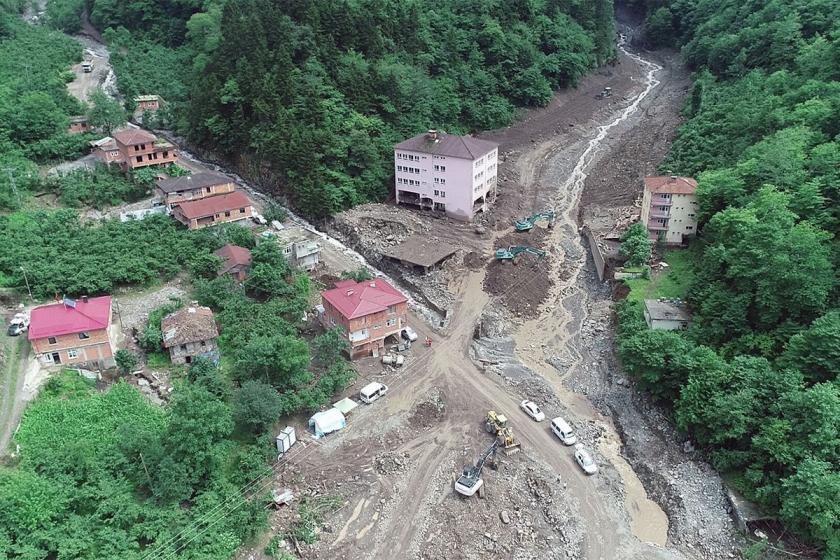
(327,421)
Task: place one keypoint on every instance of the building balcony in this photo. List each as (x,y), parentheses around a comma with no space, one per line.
(660,214)
(653,225)
(660,201)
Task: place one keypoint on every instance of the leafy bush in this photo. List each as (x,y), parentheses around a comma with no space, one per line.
(636,245)
(99,187)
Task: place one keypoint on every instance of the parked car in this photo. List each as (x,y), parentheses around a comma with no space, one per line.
(18,325)
(409,334)
(563,431)
(585,460)
(532,410)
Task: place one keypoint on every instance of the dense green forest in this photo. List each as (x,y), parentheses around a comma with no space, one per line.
(34,104)
(324,89)
(755,378)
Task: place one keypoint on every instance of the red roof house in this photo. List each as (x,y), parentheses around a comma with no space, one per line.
(213,210)
(236,261)
(368,311)
(73,332)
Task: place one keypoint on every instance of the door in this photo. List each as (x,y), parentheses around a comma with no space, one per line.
(188,359)
(56,358)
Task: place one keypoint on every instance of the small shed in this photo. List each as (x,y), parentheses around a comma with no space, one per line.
(667,315)
(327,421)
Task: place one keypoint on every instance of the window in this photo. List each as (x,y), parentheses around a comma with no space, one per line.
(165,153)
(390,322)
(392,309)
(437,193)
(691,215)
(72,353)
(142,146)
(52,340)
(443,194)
(139,159)
(137,148)
(184,347)
(241,210)
(203,344)
(149,157)
(441,168)
(84,336)
(689,227)
(208,189)
(227,214)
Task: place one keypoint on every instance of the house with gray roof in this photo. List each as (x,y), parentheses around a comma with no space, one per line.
(668,315)
(176,190)
(447,173)
(190,333)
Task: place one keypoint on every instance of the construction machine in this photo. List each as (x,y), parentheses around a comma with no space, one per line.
(509,253)
(528,223)
(497,424)
(470,480)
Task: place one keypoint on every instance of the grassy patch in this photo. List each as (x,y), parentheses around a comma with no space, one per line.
(68,384)
(312,512)
(672,282)
(158,360)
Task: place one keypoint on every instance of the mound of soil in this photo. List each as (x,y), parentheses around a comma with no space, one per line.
(523,284)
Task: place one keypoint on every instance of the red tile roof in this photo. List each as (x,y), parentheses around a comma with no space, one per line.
(57,319)
(357,299)
(213,205)
(132,136)
(671,184)
(233,255)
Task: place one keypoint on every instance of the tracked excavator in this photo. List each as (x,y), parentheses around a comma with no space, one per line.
(509,253)
(497,424)
(470,480)
(528,223)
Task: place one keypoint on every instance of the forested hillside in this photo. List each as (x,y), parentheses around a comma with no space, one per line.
(318,92)
(34,104)
(755,378)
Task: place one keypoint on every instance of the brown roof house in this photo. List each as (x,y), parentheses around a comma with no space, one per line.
(236,261)
(669,208)
(213,210)
(176,190)
(78,125)
(190,333)
(106,150)
(141,148)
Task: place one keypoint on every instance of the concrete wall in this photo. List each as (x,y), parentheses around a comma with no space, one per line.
(375,324)
(207,348)
(74,350)
(198,223)
(597,256)
(173,199)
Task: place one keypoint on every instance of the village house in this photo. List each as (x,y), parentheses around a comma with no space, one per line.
(73,332)
(106,150)
(236,261)
(140,148)
(368,312)
(147,103)
(78,125)
(300,251)
(213,210)
(669,208)
(446,172)
(190,333)
(176,190)
(666,315)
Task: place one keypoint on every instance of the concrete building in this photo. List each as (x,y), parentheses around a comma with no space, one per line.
(106,150)
(189,333)
(300,251)
(236,261)
(78,125)
(73,333)
(669,208)
(176,190)
(368,312)
(140,148)
(446,173)
(147,103)
(666,315)
(213,210)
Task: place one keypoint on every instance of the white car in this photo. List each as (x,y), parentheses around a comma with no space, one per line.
(532,410)
(409,334)
(585,460)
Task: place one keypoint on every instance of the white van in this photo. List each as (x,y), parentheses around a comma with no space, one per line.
(372,391)
(562,430)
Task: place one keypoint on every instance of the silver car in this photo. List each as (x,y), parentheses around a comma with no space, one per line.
(585,460)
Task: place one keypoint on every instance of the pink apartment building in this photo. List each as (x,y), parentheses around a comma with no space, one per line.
(447,173)
(669,208)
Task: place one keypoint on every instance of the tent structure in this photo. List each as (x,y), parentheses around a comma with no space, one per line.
(327,421)
(346,406)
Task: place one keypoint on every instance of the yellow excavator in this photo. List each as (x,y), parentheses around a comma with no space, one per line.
(497,424)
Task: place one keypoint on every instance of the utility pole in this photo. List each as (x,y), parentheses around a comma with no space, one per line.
(142,460)
(25,279)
